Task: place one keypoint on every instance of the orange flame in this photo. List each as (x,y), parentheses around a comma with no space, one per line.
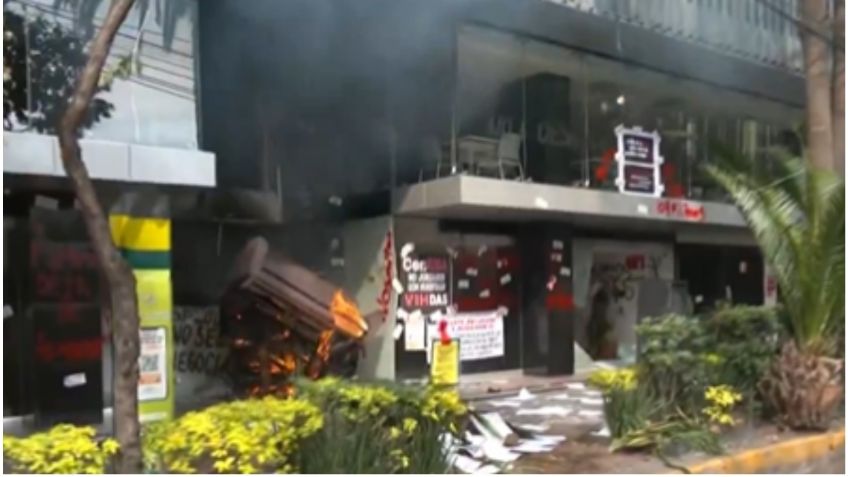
(346,316)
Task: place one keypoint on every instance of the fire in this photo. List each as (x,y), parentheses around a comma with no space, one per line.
(346,316)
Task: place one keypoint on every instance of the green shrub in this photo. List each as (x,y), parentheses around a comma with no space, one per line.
(64,449)
(676,361)
(747,339)
(250,436)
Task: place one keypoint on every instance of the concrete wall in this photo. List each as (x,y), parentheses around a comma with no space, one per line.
(364,273)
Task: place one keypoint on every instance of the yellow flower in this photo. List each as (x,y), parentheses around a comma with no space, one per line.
(409,425)
(110,446)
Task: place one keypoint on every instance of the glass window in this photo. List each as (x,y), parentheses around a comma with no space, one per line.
(565,105)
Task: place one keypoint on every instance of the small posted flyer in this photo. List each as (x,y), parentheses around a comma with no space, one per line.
(152,372)
(444,368)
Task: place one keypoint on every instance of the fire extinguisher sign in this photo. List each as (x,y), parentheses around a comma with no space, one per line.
(639,161)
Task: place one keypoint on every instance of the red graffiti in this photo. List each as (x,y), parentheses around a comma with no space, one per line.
(71,350)
(559,302)
(681,210)
(635,262)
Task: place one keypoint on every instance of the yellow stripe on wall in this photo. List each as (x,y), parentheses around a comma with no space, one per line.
(141,233)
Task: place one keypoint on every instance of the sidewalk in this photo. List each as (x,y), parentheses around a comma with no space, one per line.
(496,384)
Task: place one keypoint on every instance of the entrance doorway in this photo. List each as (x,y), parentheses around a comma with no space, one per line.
(608,275)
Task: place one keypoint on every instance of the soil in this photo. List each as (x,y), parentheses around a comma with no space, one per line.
(590,455)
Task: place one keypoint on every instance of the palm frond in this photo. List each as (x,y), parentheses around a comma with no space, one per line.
(797,215)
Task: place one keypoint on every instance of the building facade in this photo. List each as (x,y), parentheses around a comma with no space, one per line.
(477,140)
(446,160)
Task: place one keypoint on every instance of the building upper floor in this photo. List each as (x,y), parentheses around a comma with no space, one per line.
(307,101)
(143,123)
(312,101)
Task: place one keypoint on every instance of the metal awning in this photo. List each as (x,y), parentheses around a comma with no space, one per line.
(464,197)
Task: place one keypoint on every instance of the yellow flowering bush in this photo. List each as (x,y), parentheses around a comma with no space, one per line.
(721,400)
(250,436)
(360,403)
(444,407)
(614,379)
(64,449)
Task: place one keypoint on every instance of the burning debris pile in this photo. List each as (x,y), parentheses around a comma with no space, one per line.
(282,320)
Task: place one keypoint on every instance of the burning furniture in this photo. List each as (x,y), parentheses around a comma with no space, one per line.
(283,320)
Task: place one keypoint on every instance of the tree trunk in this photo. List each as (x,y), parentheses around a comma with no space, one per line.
(839,86)
(817,67)
(119,277)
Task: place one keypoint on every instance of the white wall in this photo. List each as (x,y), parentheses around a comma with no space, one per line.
(364,272)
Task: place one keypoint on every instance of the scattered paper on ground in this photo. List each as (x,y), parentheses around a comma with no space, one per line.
(533,427)
(495,451)
(592,401)
(466,464)
(525,395)
(497,424)
(505,403)
(546,411)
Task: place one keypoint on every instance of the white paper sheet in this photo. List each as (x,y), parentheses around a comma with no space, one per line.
(592,401)
(525,395)
(407,249)
(533,447)
(397,286)
(549,438)
(495,451)
(545,411)
(414,338)
(496,422)
(466,465)
(505,403)
(533,427)
(487,469)
(485,432)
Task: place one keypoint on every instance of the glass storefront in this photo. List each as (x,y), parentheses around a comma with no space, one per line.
(528,110)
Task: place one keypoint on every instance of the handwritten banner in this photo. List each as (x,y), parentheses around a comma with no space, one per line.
(481,334)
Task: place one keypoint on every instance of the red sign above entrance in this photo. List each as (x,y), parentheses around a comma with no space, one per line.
(681,209)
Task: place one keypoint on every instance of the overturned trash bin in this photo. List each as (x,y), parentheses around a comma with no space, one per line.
(282,320)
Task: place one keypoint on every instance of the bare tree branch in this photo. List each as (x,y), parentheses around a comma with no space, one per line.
(119,276)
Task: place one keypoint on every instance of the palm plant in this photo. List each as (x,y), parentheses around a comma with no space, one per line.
(797,215)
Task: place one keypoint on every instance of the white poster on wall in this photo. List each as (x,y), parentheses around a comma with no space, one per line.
(481,334)
(414,339)
(152,365)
